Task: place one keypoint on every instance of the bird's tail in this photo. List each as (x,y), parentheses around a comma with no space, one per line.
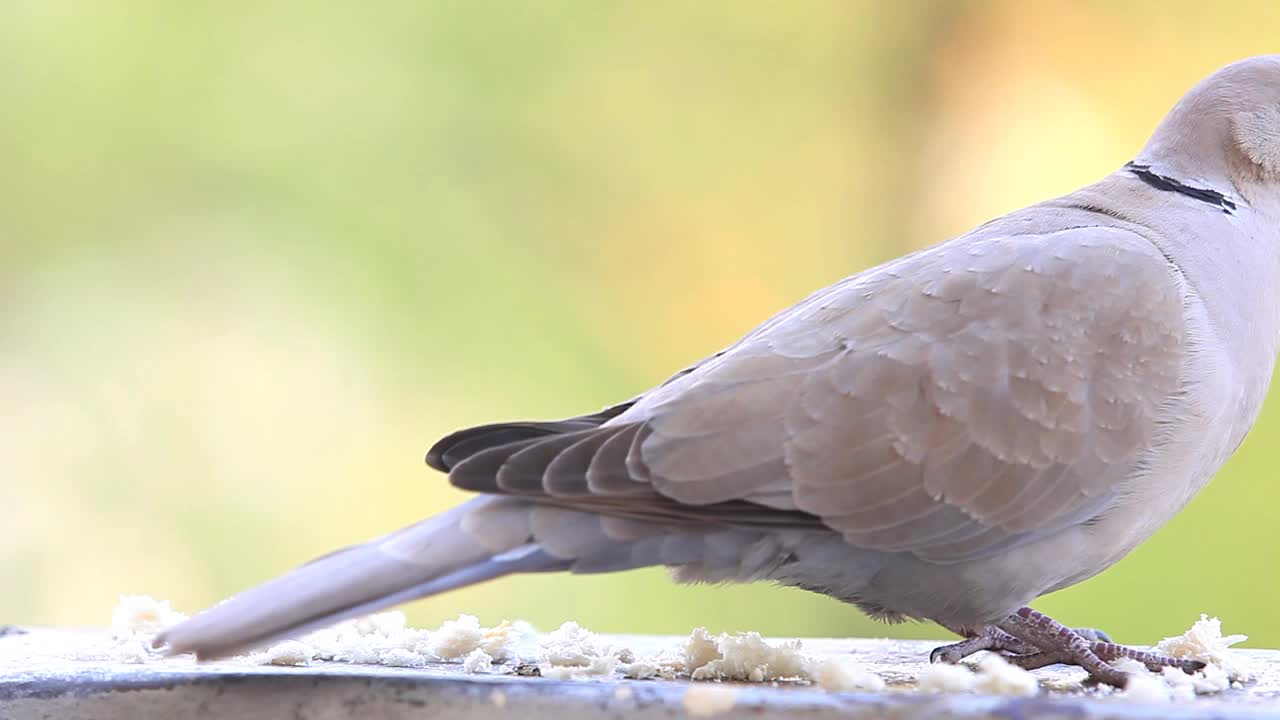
(476,541)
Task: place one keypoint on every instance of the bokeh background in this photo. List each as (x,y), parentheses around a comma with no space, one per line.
(255,257)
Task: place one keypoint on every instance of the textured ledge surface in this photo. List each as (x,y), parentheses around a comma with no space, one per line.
(37,681)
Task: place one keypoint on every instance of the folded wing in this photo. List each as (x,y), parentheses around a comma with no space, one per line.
(949,404)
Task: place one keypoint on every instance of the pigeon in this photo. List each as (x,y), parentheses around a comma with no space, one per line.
(944,437)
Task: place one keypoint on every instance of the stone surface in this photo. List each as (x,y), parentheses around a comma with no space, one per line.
(38,680)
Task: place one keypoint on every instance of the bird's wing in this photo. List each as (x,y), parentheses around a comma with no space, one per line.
(948,404)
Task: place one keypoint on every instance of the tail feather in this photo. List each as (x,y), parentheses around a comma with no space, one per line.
(458,446)
(428,558)
(480,540)
(578,506)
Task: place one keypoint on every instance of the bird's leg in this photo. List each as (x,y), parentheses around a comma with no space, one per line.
(11,630)
(1058,643)
(994,639)
(988,638)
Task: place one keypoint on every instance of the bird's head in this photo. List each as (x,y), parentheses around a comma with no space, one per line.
(1255,123)
(1225,130)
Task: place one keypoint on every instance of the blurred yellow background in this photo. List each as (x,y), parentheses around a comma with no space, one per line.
(256,257)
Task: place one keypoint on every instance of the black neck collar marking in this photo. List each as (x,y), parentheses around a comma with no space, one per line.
(1162,182)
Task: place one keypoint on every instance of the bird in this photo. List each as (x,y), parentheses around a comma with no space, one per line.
(944,437)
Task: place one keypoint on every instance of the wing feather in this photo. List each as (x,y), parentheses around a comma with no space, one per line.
(949,404)
(958,400)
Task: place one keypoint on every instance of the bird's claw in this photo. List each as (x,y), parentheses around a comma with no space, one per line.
(1049,643)
(991,638)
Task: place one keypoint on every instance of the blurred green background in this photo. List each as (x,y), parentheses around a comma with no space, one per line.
(255,257)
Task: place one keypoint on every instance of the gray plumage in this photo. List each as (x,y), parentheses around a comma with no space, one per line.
(946,436)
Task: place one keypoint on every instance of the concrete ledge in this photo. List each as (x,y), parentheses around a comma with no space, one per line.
(37,683)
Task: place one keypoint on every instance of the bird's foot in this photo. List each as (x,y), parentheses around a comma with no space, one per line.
(989,638)
(1031,640)
(1056,643)
(1109,653)
(996,640)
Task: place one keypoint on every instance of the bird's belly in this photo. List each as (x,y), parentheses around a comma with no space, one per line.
(1199,434)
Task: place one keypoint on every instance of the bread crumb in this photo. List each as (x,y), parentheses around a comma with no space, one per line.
(289,652)
(1212,679)
(135,622)
(130,650)
(1178,684)
(381,639)
(498,641)
(642,669)
(400,657)
(142,615)
(1185,687)
(842,674)
(944,677)
(699,650)
(386,639)
(572,651)
(1129,665)
(456,638)
(749,657)
(996,676)
(709,700)
(478,661)
(559,672)
(745,656)
(1145,687)
(569,652)
(573,645)
(1204,641)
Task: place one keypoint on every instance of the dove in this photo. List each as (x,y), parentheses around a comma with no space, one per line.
(944,437)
